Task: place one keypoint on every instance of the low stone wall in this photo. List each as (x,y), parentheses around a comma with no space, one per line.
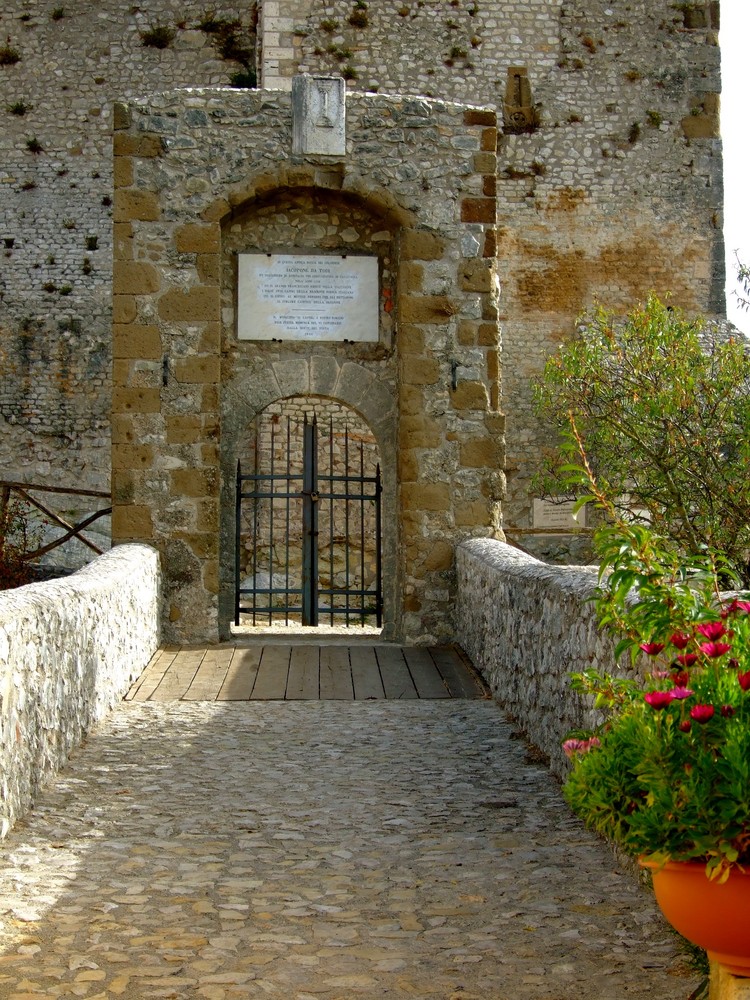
(526,626)
(69,650)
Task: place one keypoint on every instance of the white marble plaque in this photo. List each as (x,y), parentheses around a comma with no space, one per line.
(558,514)
(305,297)
(319,115)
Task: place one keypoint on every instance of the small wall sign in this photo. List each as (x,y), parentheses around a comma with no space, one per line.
(558,514)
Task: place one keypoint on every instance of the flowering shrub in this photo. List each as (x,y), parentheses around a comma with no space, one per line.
(667,775)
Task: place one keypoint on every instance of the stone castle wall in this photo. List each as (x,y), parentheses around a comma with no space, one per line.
(615,188)
(56,211)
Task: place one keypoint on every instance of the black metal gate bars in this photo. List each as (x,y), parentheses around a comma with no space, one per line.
(308,539)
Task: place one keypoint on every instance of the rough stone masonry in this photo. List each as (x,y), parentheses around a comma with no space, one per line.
(595,176)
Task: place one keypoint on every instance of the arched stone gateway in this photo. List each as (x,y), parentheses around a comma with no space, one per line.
(250,271)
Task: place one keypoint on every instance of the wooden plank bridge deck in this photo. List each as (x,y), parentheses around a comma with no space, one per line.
(288,672)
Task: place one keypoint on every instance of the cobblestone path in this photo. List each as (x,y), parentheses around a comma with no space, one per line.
(309,850)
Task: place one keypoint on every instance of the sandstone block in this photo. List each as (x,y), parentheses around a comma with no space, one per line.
(410,339)
(417,244)
(427,308)
(132,456)
(207,516)
(478,210)
(411,276)
(199,369)
(131,204)
(194,238)
(135,277)
(411,400)
(122,233)
(201,543)
(479,453)
(123,486)
(121,116)
(208,266)
(123,309)
(473,514)
(426,496)
(489,140)
(123,429)
(185,429)
(476,116)
(216,210)
(488,335)
(194,482)
(420,371)
(122,172)
(210,341)
(126,399)
(210,575)
(194,305)
(408,466)
(131,523)
(485,163)
(132,340)
(419,432)
(469,396)
(439,556)
(475,275)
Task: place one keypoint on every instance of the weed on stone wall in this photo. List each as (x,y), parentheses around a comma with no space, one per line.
(158,37)
(233,45)
(9,56)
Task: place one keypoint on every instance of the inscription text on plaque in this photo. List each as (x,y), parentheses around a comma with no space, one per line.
(306,297)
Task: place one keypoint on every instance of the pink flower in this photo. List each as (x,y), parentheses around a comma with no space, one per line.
(652,648)
(702,713)
(744,680)
(743,606)
(711,630)
(679,640)
(685,726)
(574,746)
(713,649)
(687,659)
(658,699)
(680,693)
(680,678)
(727,711)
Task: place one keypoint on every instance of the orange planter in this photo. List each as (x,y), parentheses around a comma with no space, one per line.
(714,916)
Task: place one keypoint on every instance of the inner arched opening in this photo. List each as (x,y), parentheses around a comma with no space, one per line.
(308,529)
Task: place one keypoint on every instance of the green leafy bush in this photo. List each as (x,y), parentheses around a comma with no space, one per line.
(661,404)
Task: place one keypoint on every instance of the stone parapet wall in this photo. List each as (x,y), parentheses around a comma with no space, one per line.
(526,626)
(69,650)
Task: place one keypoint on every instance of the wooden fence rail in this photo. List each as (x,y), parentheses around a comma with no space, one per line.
(25,492)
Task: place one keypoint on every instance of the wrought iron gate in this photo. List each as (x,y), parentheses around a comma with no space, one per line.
(308,540)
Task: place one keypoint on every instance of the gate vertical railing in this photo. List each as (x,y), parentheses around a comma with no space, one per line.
(310,524)
(352,501)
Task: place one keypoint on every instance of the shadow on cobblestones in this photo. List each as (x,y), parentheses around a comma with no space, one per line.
(319,850)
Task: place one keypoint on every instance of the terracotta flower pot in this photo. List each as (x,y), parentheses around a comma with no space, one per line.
(714,916)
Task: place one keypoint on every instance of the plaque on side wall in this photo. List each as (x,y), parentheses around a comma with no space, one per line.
(558,514)
(307,297)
